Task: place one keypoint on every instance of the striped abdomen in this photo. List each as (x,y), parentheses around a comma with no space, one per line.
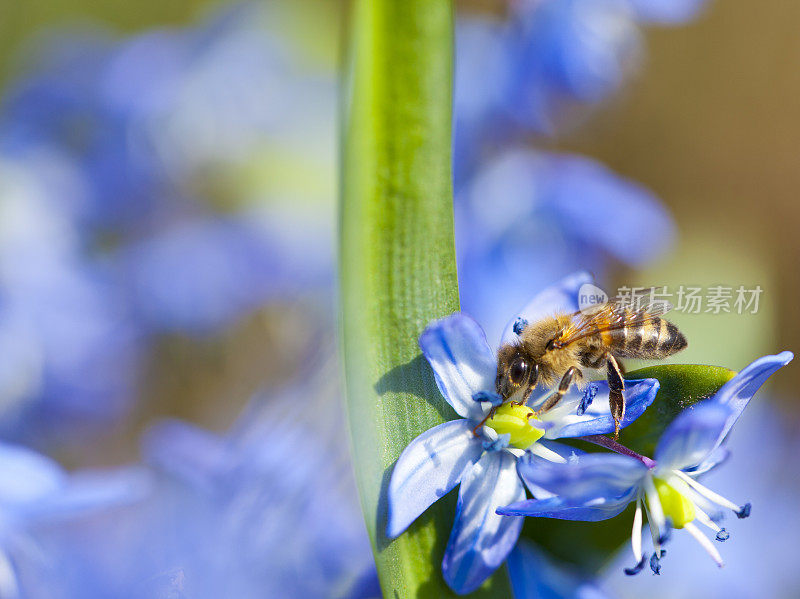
(653,339)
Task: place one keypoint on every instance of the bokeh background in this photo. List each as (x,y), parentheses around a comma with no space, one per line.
(168,183)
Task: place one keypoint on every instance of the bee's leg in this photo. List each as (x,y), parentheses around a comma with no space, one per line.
(563,387)
(482,422)
(616,385)
(525,397)
(622,369)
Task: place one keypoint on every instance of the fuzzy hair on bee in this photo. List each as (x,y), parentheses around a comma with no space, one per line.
(533,346)
(559,348)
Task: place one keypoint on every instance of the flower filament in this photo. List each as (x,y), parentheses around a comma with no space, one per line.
(674,500)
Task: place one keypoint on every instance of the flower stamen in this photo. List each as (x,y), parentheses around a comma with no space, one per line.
(714,497)
(637,568)
(519,325)
(518,422)
(705,543)
(548,454)
(587,399)
(636,533)
(655,513)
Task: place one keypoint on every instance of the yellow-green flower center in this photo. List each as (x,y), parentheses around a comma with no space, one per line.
(516,421)
(675,505)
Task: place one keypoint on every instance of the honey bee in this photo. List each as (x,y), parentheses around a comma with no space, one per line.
(560,347)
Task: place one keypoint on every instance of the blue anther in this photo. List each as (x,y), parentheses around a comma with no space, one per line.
(637,568)
(519,325)
(666,534)
(655,562)
(587,399)
(501,442)
(723,535)
(492,398)
(744,511)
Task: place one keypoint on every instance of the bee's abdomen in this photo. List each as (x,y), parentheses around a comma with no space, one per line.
(654,339)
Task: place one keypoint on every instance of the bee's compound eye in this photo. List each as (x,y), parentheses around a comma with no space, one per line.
(518,371)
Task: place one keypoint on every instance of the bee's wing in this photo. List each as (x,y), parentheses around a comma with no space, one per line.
(611,316)
(641,300)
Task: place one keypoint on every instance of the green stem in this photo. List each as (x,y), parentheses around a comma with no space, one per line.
(397,263)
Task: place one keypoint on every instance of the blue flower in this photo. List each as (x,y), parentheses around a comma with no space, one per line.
(61,108)
(71,350)
(570,51)
(40,503)
(760,558)
(535,575)
(267,510)
(200,275)
(667,12)
(544,66)
(159,124)
(483,459)
(163,129)
(526,220)
(600,486)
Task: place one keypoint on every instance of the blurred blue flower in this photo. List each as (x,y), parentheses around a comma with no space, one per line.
(482,459)
(534,575)
(37,498)
(60,108)
(530,218)
(533,71)
(667,12)
(71,351)
(569,51)
(182,178)
(600,486)
(265,511)
(543,66)
(241,88)
(198,276)
(482,83)
(149,119)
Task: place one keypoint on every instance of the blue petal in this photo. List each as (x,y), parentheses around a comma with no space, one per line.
(481,539)
(26,476)
(738,391)
(186,452)
(535,576)
(597,419)
(565,451)
(199,276)
(693,435)
(716,458)
(596,478)
(667,12)
(558,508)
(558,298)
(90,490)
(462,362)
(574,178)
(428,469)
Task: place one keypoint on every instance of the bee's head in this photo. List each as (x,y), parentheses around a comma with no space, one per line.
(515,372)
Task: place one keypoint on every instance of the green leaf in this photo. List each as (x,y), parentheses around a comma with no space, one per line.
(398,267)
(682,385)
(590,545)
